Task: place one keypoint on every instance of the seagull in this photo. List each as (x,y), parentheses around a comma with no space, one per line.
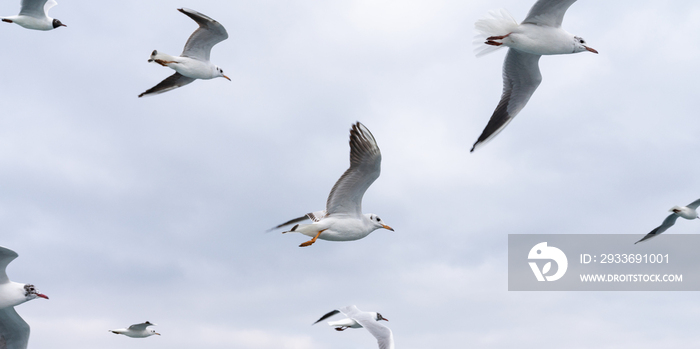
(539,34)
(14,332)
(342,220)
(359,319)
(35,15)
(137,330)
(193,63)
(688,212)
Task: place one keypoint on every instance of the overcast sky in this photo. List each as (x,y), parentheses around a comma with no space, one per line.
(127,209)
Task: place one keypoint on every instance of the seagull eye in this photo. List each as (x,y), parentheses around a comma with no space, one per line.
(581,41)
(378,219)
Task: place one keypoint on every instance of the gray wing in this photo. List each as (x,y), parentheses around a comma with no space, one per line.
(668,222)
(209,33)
(365,166)
(170,83)
(36,8)
(521,77)
(140,327)
(6,256)
(694,204)
(14,332)
(548,12)
(383,334)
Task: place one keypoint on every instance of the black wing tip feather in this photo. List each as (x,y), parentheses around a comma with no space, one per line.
(197,16)
(329,314)
(499,117)
(361,141)
(291,221)
(652,234)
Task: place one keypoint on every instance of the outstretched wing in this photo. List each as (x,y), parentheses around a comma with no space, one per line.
(668,222)
(14,332)
(365,166)
(170,83)
(36,8)
(209,33)
(521,77)
(140,327)
(383,334)
(694,204)
(6,256)
(548,12)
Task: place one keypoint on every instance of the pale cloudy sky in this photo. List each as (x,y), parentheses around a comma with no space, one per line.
(125,209)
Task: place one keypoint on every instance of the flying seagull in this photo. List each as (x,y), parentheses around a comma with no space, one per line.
(137,330)
(342,220)
(35,15)
(359,319)
(194,62)
(688,212)
(539,34)
(14,332)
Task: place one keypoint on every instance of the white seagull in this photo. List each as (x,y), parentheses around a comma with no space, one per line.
(14,332)
(193,63)
(137,330)
(539,34)
(688,212)
(359,319)
(342,220)
(35,15)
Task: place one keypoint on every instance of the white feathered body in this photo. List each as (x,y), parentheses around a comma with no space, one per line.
(339,228)
(30,22)
(685,212)
(530,38)
(133,333)
(190,67)
(347,322)
(12,294)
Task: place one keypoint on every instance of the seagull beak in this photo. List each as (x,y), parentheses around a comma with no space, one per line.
(383,318)
(158,333)
(590,49)
(42,295)
(387,227)
(230,79)
(62,25)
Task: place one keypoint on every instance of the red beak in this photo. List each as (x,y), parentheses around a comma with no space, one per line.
(590,49)
(42,295)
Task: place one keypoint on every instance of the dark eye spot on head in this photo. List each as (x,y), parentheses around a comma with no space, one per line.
(581,41)
(378,219)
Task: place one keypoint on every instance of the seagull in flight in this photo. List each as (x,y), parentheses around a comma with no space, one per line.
(194,62)
(688,212)
(342,220)
(539,34)
(359,319)
(35,15)
(137,330)
(14,332)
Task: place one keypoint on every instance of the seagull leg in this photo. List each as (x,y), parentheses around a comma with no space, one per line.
(7,20)
(490,38)
(163,63)
(342,328)
(308,243)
